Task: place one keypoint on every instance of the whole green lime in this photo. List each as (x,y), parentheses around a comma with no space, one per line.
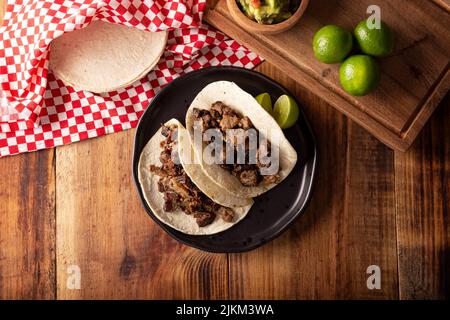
(332,44)
(359,75)
(375,42)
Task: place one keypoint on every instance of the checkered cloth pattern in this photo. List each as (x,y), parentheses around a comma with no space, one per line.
(39,111)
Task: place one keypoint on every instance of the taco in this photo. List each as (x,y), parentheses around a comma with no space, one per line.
(178,192)
(223,106)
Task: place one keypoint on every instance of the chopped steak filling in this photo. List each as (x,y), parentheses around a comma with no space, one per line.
(223,118)
(179,192)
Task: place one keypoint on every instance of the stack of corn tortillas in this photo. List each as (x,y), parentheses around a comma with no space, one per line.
(104,57)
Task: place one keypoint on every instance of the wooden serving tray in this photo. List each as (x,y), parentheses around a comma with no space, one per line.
(414,79)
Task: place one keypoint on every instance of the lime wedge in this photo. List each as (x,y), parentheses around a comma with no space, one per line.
(286,111)
(265,101)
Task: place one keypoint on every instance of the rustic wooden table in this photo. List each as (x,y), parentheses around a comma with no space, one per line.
(76,205)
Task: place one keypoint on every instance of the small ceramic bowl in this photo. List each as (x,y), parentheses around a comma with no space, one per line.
(252,26)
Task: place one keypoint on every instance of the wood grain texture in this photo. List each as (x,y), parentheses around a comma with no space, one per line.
(366,227)
(395,112)
(326,253)
(27,225)
(444,4)
(102,228)
(423,217)
(350,224)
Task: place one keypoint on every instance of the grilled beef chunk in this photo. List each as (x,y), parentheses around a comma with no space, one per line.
(165,156)
(216,114)
(220,108)
(204,218)
(198,113)
(158,171)
(227,110)
(223,117)
(172,169)
(165,131)
(229,121)
(217,108)
(239,168)
(171,202)
(249,178)
(226,213)
(245,123)
(191,205)
(180,188)
(177,188)
(183,179)
(205,118)
(236,170)
(161,186)
(208,121)
(209,205)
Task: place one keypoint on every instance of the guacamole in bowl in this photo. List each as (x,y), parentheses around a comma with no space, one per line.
(268,11)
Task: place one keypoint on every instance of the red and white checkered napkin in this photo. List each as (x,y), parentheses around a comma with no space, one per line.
(38,111)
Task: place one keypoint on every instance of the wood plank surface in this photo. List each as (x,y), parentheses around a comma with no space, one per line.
(444,4)
(414,78)
(103,228)
(76,205)
(27,223)
(366,227)
(423,217)
(326,253)
(27,226)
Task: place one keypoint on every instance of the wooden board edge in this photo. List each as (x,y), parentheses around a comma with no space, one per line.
(412,130)
(422,198)
(443,4)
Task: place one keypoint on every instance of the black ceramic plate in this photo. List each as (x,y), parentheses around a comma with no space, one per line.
(274,211)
